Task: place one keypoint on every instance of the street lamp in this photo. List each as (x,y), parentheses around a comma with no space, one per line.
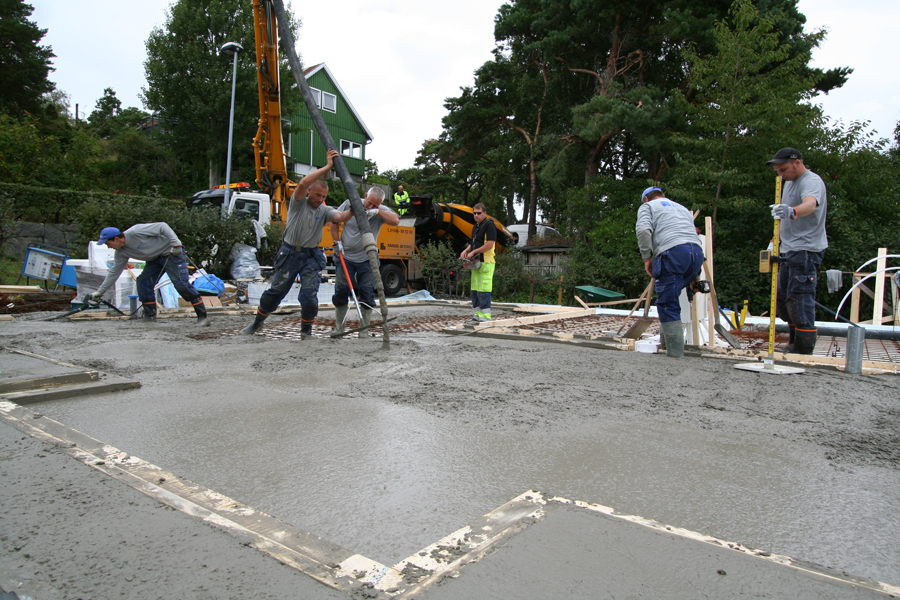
(234,48)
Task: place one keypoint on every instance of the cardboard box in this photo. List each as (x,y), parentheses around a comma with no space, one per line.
(207,301)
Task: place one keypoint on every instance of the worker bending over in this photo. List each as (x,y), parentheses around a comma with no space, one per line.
(161,250)
(300,253)
(481,248)
(672,255)
(356,260)
(802,211)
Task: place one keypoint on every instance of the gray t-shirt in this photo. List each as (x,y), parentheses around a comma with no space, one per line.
(145,241)
(351,238)
(663,224)
(804,233)
(305,223)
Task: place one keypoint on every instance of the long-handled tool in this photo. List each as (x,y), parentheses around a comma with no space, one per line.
(86,303)
(635,331)
(768,365)
(633,308)
(335,334)
(340,251)
(720,329)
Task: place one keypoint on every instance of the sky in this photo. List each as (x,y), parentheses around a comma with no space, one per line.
(397,60)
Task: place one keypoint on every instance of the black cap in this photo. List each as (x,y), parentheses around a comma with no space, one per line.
(784,155)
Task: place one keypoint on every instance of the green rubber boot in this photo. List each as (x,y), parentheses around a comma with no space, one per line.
(674,335)
(340,313)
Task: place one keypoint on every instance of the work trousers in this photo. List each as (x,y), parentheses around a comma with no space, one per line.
(482,286)
(361,278)
(797,278)
(674,270)
(175,268)
(290,262)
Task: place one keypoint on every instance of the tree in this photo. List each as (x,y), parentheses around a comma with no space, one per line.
(107,108)
(24,64)
(189,83)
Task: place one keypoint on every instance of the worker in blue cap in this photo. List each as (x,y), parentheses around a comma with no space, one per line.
(161,250)
(673,256)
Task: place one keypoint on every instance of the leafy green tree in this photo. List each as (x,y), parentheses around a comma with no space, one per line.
(24,64)
(189,85)
(107,108)
(22,150)
(747,98)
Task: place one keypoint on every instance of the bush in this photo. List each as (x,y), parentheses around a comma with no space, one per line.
(442,270)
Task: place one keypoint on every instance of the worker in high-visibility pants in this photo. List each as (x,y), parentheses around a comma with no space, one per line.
(481,248)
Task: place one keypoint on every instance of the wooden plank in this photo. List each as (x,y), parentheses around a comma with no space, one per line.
(614,302)
(854,300)
(20,289)
(538,318)
(879,286)
(711,308)
(580,301)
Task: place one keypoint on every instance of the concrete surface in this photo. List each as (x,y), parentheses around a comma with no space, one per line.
(383,452)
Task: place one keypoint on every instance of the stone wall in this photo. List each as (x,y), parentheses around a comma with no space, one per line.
(56,238)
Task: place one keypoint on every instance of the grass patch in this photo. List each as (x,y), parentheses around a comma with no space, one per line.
(10,269)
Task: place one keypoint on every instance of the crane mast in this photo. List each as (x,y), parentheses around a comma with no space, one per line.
(268,145)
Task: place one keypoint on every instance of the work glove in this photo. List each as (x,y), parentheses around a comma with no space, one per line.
(176,252)
(371,212)
(783,211)
(95,297)
(771,247)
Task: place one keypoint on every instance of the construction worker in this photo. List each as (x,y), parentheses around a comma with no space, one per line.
(802,212)
(356,260)
(672,255)
(481,248)
(161,250)
(300,253)
(401,199)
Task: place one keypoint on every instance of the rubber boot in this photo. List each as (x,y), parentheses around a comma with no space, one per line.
(806,341)
(200,309)
(674,334)
(149,310)
(792,344)
(257,324)
(306,329)
(366,318)
(340,313)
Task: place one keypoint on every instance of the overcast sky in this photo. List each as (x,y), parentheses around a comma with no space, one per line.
(398,60)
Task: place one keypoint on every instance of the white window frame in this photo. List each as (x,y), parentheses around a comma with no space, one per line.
(317,95)
(329,102)
(351,149)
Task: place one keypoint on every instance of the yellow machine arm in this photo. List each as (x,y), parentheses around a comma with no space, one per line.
(268,145)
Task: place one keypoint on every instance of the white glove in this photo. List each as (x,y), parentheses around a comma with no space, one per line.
(95,297)
(176,251)
(771,247)
(783,211)
(371,212)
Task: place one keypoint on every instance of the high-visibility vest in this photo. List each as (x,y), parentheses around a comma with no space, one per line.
(402,201)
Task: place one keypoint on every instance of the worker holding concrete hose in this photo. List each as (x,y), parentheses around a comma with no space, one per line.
(802,213)
(672,255)
(480,251)
(359,271)
(161,250)
(300,254)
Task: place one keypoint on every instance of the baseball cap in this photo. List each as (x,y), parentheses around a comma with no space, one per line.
(108,233)
(784,155)
(648,190)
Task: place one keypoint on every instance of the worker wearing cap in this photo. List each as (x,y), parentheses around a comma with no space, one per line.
(357,261)
(300,254)
(401,198)
(158,246)
(802,212)
(672,255)
(481,248)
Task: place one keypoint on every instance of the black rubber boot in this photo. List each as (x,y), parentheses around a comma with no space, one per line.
(256,325)
(792,344)
(149,310)
(806,341)
(200,309)
(674,334)
(306,329)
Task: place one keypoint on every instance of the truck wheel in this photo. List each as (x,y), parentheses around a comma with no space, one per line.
(392,276)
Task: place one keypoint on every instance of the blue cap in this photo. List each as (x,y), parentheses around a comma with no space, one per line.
(648,190)
(108,233)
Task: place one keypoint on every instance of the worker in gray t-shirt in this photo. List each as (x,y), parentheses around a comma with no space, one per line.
(357,261)
(160,249)
(802,212)
(300,254)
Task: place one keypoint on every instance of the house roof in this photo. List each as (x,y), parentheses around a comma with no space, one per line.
(323,67)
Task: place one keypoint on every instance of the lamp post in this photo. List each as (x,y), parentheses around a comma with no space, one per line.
(234,48)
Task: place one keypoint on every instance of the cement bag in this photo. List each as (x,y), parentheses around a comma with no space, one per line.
(243,262)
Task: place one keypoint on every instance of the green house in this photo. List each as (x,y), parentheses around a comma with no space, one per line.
(305,149)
